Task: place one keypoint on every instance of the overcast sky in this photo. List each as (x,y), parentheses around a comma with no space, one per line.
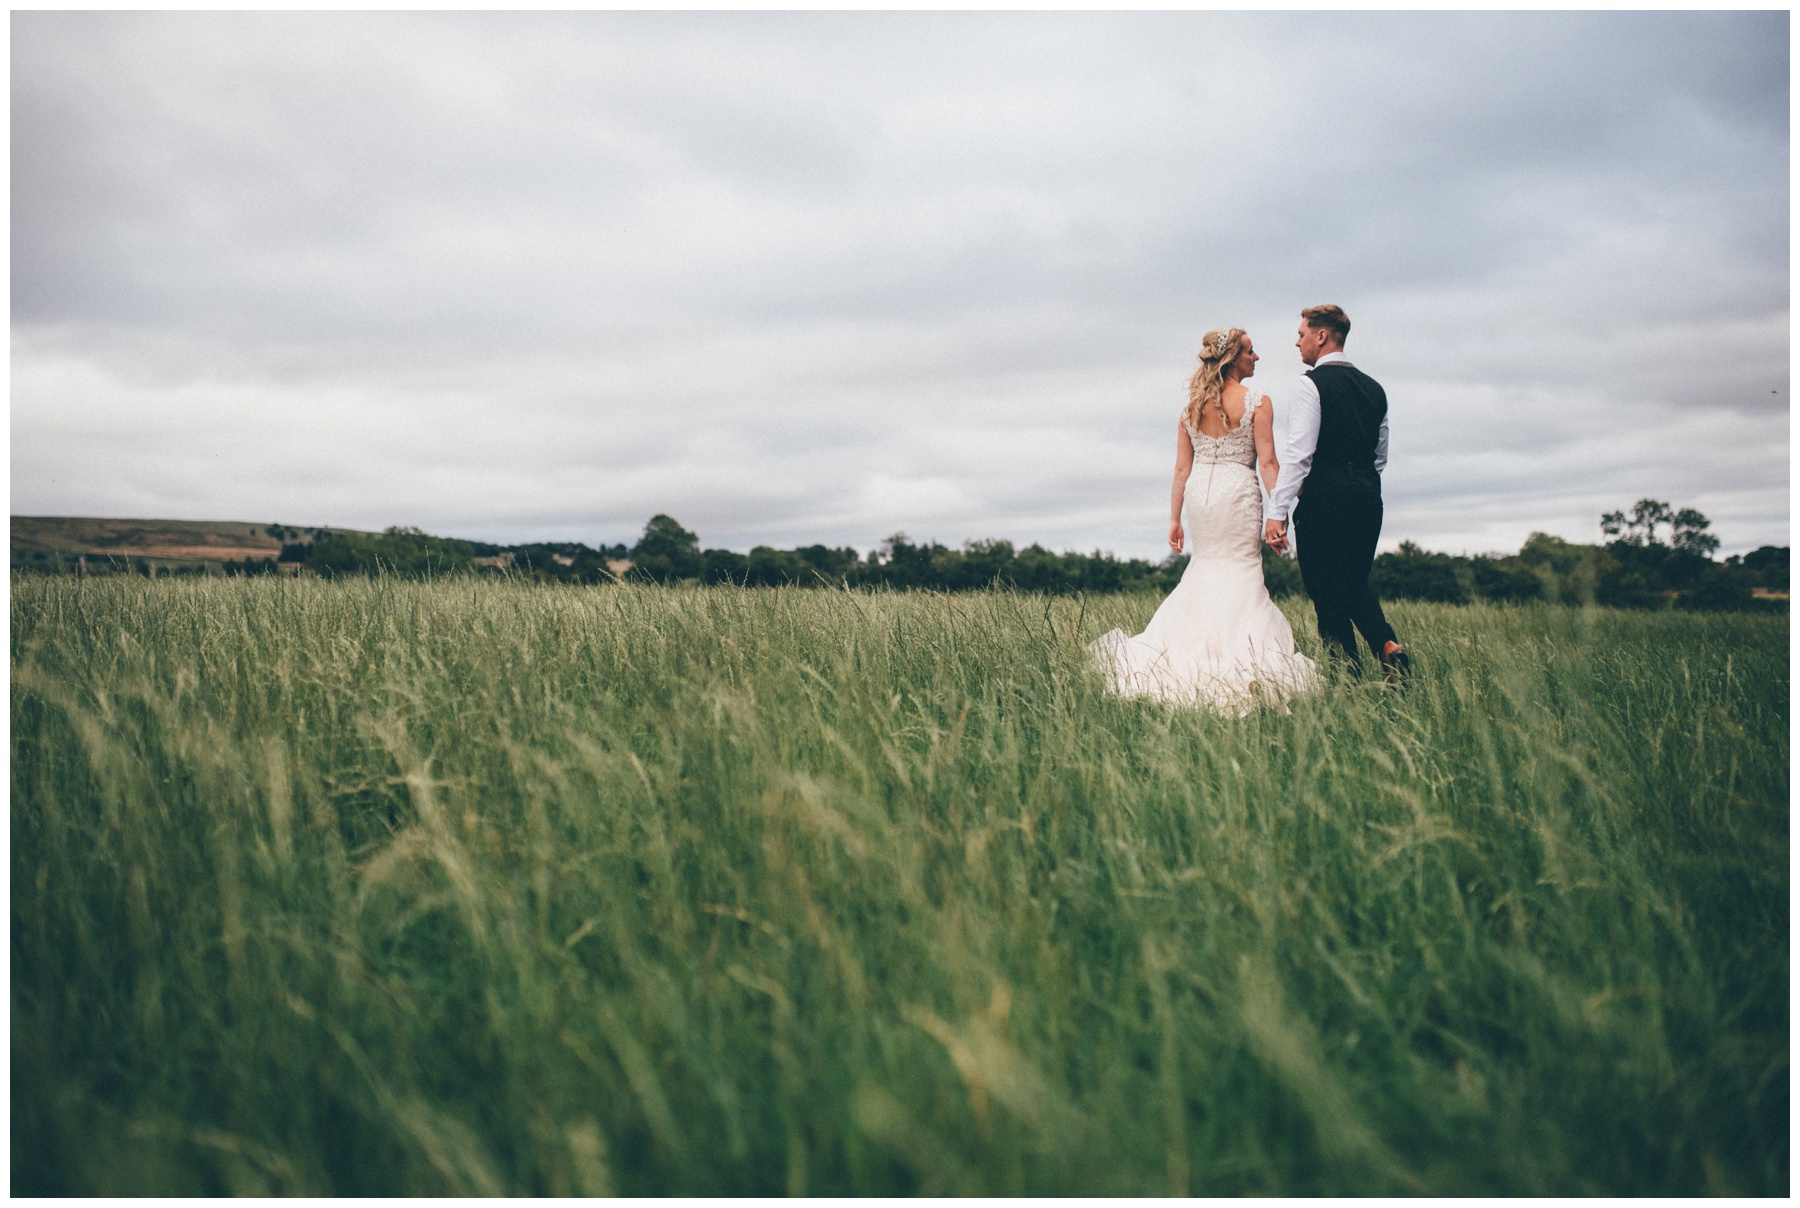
(820,277)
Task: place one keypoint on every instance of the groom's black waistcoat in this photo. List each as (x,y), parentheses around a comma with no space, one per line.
(1351,407)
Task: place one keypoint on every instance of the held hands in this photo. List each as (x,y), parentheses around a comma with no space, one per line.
(1275,533)
(1175,535)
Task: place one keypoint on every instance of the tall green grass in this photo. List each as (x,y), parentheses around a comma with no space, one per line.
(472,887)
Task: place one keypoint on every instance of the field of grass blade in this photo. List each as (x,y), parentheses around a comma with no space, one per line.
(473,887)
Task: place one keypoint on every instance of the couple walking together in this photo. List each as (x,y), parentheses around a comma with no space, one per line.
(1217,638)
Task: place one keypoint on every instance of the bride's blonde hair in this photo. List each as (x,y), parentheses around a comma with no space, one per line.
(1218,351)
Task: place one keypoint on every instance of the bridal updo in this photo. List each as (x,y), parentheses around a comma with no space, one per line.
(1218,351)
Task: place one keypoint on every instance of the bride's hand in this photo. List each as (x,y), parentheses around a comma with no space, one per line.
(1275,534)
(1175,536)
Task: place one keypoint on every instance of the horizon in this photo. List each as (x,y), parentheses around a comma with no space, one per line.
(1726,549)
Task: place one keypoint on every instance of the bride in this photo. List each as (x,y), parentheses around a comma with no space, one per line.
(1217,639)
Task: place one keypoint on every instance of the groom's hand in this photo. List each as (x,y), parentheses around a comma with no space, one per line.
(1275,533)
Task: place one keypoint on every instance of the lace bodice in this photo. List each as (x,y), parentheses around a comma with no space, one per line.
(1238,446)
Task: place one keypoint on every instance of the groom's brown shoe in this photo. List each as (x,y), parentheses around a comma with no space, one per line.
(1395,666)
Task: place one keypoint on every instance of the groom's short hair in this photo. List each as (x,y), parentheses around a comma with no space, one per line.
(1328,318)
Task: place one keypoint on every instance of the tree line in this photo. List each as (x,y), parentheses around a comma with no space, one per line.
(1654,557)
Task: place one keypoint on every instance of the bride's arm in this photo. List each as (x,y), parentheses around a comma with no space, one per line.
(1184,461)
(1262,424)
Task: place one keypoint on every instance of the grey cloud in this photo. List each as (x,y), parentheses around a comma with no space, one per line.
(797,276)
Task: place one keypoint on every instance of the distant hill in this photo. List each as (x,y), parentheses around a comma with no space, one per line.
(139,546)
(37,540)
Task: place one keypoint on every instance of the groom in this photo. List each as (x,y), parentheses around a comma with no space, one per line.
(1337,443)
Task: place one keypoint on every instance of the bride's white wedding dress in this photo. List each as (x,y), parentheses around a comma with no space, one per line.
(1217,639)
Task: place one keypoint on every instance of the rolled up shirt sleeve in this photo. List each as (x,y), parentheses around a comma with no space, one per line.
(1297,454)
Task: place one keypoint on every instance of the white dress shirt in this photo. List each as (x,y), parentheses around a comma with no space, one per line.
(1303,442)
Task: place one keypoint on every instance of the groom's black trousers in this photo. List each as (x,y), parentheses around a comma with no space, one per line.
(1336,537)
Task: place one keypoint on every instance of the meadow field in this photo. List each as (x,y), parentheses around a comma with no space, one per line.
(473,887)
